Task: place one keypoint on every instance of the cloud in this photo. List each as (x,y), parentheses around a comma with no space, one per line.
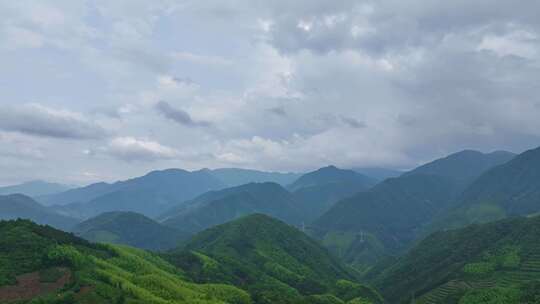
(133,149)
(179,116)
(279,111)
(353,122)
(38,120)
(202,59)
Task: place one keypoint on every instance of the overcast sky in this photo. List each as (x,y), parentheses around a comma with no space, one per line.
(104,90)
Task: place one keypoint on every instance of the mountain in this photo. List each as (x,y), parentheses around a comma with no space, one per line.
(510,189)
(129,228)
(465,166)
(385,219)
(34,188)
(329,175)
(21,206)
(149,195)
(235,177)
(274,262)
(378,174)
(498,262)
(395,213)
(217,207)
(40,264)
(317,191)
(78,195)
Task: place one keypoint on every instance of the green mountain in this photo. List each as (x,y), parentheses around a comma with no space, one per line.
(129,228)
(39,264)
(20,206)
(329,175)
(34,188)
(498,262)
(274,262)
(378,174)
(317,191)
(235,177)
(387,219)
(149,195)
(465,166)
(217,207)
(506,190)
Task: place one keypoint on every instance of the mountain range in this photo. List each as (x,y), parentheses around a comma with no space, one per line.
(35,188)
(462,229)
(391,216)
(217,207)
(150,194)
(507,190)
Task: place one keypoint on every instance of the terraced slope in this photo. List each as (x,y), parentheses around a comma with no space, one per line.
(499,260)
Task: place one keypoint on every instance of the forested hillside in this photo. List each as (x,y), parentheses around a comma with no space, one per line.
(217,207)
(129,228)
(506,190)
(497,262)
(274,262)
(51,266)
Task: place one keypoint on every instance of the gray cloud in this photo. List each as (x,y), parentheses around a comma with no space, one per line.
(279,111)
(180,116)
(403,81)
(353,122)
(37,120)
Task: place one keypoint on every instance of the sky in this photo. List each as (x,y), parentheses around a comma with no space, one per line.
(106,90)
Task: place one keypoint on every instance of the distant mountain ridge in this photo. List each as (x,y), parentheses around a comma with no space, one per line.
(150,194)
(378,173)
(328,175)
(465,166)
(217,207)
(16,206)
(35,188)
(317,191)
(235,177)
(510,189)
(129,228)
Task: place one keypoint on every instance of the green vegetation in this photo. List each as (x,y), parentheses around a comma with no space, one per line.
(384,220)
(489,263)
(100,273)
(274,262)
(218,207)
(129,228)
(506,190)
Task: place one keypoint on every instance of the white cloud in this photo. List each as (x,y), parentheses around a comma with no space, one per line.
(133,149)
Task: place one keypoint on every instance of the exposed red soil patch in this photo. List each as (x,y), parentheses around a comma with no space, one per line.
(29,286)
